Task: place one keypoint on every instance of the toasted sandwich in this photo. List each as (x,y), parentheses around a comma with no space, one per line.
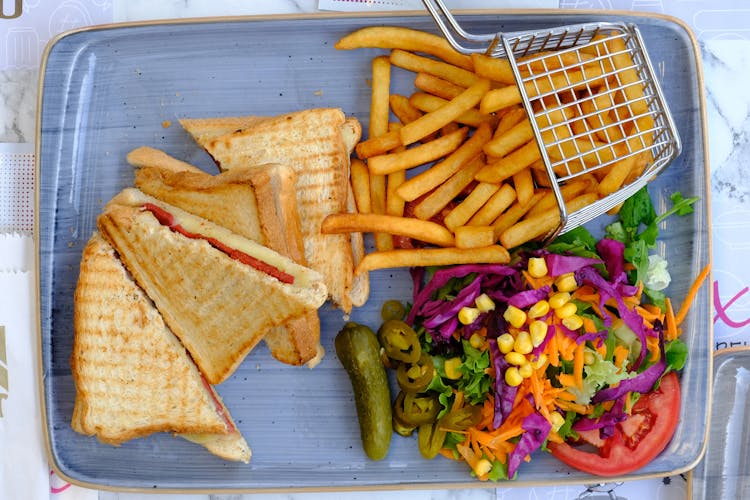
(123,351)
(259,204)
(317,143)
(217,291)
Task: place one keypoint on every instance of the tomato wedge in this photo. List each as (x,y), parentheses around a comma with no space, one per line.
(636,441)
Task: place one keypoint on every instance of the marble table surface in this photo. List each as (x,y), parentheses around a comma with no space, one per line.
(723,30)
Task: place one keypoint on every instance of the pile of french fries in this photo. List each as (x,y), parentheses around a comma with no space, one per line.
(486,189)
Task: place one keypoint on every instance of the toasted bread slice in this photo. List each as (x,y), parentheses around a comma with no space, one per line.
(218,306)
(121,352)
(317,143)
(259,204)
(151,157)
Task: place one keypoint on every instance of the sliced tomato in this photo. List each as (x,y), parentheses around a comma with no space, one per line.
(636,441)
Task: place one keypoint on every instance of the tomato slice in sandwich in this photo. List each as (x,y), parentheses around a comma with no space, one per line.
(635,442)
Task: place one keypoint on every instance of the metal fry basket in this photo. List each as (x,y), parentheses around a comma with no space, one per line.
(594,105)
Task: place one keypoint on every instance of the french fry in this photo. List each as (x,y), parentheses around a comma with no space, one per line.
(551,60)
(394,37)
(494,68)
(494,254)
(404,111)
(513,214)
(533,227)
(517,136)
(432,121)
(417,155)
(379,116)
(378,145)
(629,79)
(491,210)
(422,230)
(462,212)
(394,204)
(429,103)
(497,99)
(437,174)
(474,236)
(511,164)
(419,64)
(360,179)
(379,96)
(431,84)
(442,195)
(615,177)
(568,191)
(510,117)
(523,182)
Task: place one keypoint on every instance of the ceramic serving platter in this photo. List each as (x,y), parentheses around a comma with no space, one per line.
(107,90)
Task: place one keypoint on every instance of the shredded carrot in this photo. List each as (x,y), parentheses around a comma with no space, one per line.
(672,332)
(685,307)
(628,403)
(588,325)
(648,315)
(572,406)
(566,396)
(620,355)
(566,379)
(553,353)
(653,347)
(578,365)
(537,283)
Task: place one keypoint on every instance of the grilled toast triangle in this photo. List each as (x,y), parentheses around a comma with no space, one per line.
(219,306)
(122,350)
(259,203)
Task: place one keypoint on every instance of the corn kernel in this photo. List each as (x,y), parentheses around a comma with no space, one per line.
(505,343)
(476,341)
(539,362)
(537,267)
(467,315)
(484,303)
(559,299)
(523,343)
(557,421)
(573,322)
(566,283)
(567,310)
(539,309)
(588,358)
(525,370)
(538,332)
(512,377)
(515,358)
(515,316)
(482,467)
(452,368)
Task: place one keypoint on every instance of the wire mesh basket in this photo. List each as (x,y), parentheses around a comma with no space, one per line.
(594,105)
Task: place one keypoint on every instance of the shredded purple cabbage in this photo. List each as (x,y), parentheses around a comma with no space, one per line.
(450,308)
(613,252)
(558,265)
(643,382)
(606,291)
(607,419)
(537,429)
(505,395)
(528,298)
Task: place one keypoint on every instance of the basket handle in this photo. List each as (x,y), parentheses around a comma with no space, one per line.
(453,31)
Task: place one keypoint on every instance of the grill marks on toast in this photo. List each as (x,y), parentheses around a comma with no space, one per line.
(311,142)
(196,287)
(121,352)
